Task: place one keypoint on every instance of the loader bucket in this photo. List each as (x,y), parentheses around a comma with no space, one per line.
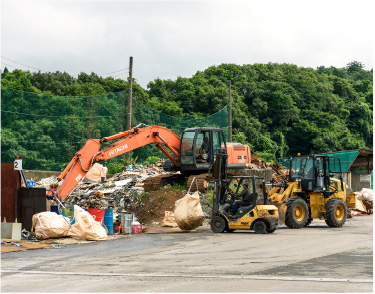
(282,210)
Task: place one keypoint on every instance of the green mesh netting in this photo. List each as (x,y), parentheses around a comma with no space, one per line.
(47,130)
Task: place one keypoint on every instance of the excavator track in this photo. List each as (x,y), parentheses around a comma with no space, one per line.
(199,182)
(157,182)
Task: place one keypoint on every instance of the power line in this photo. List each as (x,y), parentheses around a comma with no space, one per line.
(31,142)
(22,64)
(8,65)
(75,75)
(43,115)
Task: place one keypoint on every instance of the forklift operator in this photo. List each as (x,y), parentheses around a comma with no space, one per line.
(245,194)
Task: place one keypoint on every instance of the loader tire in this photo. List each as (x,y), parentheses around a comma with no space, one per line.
(297,213)
(336,212)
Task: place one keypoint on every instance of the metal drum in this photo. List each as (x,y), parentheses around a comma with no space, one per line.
(108,220)
(126,223)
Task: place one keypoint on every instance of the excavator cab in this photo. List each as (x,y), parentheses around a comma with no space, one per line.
(199,147)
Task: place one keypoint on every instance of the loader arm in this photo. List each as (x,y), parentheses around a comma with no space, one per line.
(126,141)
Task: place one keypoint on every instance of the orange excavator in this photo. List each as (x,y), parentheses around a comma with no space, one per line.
(192,154)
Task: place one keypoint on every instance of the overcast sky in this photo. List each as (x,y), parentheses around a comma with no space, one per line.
(168,39)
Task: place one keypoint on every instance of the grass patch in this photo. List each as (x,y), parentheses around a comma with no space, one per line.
(143,196)
(174,187)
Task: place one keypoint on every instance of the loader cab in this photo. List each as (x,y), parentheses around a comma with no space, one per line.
(317,173)
(199,147)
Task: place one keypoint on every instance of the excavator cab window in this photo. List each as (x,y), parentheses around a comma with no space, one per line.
(187,150)
(218,142)
(202,150)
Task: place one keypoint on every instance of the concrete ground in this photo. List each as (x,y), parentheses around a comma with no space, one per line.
(313,259)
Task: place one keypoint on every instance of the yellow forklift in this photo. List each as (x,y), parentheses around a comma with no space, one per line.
(260,218)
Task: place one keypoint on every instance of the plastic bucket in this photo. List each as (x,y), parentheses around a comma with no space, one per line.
(54,208)
(98,214)
(137,228)
(69,213)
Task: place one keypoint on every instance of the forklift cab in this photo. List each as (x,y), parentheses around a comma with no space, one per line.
(224,198)
(199,147)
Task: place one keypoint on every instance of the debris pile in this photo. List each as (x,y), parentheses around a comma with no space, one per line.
(364,202)
(46,182)
(120,192)
(279,173)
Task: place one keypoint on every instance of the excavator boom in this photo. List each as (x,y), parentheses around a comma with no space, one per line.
(127,141)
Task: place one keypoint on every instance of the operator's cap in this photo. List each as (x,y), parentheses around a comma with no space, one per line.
(245,183)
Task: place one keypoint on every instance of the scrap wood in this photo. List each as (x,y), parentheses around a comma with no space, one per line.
(361,211)
(24,246)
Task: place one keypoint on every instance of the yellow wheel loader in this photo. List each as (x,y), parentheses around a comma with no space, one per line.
(315,190)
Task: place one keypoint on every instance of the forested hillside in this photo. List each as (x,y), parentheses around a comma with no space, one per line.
(279,109)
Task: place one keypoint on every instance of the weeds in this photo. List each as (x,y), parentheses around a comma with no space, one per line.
(143,196)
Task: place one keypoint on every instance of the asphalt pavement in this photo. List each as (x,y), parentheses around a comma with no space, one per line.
(312,259)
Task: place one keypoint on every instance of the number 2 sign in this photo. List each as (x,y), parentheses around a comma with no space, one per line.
(18,164)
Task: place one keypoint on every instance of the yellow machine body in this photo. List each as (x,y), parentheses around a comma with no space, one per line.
(267,213)
(279,195)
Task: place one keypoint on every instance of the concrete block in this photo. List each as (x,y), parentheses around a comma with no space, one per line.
(11,231)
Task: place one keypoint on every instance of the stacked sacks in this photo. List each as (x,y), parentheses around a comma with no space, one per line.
(49,225)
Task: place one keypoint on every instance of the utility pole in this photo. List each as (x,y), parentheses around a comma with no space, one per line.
(130,97)
(230,113)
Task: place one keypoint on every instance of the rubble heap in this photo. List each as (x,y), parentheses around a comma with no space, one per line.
(120,192)
(279,173)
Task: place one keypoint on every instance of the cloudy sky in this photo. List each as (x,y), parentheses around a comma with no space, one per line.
(168,39)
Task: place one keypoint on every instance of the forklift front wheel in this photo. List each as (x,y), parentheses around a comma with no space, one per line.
(218,224)
(260,227)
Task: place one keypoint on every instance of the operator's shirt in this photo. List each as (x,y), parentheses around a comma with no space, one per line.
(245,194)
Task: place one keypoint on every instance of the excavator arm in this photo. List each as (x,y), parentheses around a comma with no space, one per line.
(126,141)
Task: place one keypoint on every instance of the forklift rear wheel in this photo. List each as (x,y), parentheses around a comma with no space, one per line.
(260,227)
(218,224)
(271,231)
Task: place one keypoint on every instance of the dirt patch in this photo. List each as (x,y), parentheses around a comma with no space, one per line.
(155,203)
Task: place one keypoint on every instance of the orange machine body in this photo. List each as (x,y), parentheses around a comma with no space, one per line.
(238,155)
(164,139)
(128,141)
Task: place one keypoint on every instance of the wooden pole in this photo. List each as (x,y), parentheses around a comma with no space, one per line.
(230,113)
(130,97)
